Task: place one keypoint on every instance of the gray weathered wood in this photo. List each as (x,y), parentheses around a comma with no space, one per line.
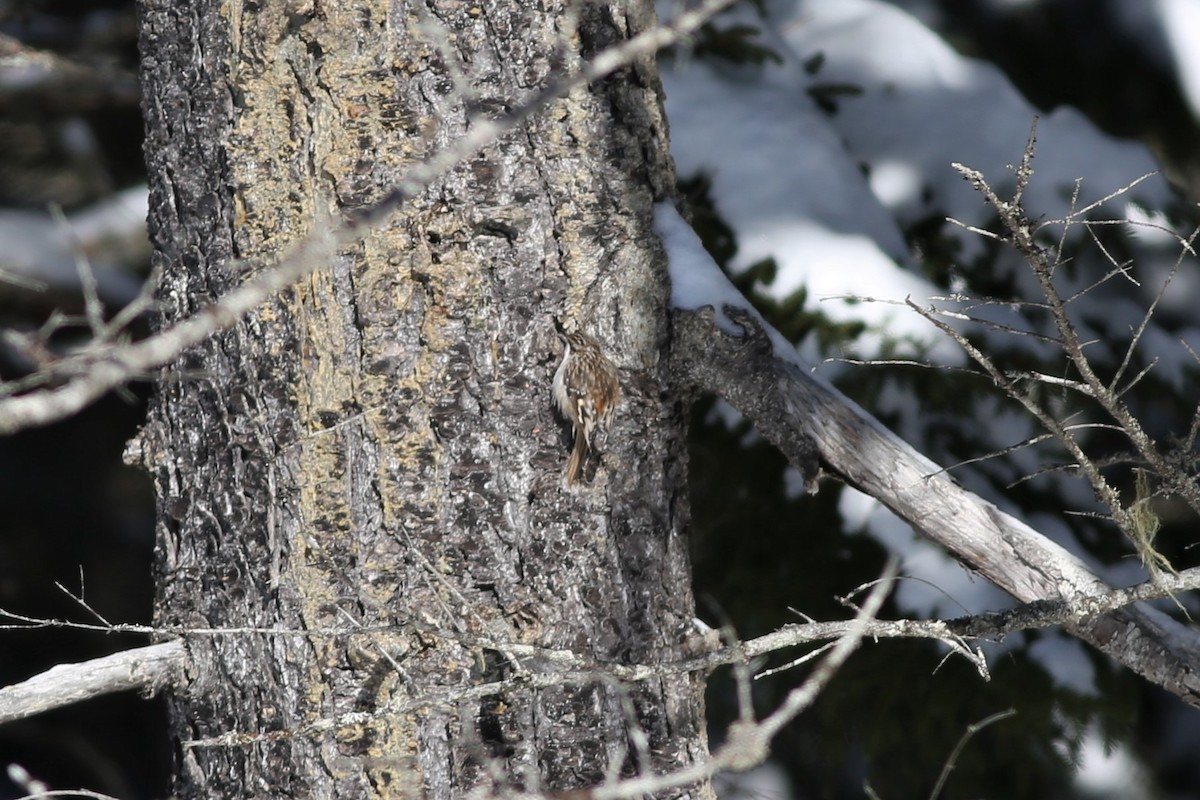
(148,670)
(801,413)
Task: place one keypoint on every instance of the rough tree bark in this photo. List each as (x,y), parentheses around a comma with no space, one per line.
(377,446)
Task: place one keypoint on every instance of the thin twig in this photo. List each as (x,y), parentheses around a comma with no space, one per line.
(1021,235)
(151,668)
(94,371)
(972,729)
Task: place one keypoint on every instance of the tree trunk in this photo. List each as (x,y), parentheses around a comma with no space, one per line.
(376,447)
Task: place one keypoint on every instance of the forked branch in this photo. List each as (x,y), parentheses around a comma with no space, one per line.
(792,409)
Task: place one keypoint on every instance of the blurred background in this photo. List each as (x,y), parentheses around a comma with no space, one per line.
(71,513)
(812,140)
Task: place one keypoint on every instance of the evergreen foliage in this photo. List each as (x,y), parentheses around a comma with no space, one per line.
(762,547)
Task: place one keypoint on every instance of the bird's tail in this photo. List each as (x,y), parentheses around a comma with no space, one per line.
(578,454)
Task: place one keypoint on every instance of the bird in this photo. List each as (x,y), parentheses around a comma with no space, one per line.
(586,390)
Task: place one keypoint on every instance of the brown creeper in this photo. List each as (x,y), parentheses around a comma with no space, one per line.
(586,390)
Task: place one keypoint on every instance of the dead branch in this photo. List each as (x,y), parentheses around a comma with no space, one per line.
(145,669)
(797,411)
(150,669)
(80,379)
(1021,233)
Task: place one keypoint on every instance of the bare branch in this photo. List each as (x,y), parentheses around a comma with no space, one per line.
(747,743)
(95,370)
(92,306)
(972,729)
(147,669)
(150,669)
(1059,430)
(1145,322)
(1078,213)
(790,407)
(1107,395)
(802,696)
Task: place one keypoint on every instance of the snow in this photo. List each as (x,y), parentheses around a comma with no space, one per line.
(1066,661)
(792,192)
(789,179)
(43,252)
(1178,23)
(697,281)
(924,106)
(1109,773)
(934,585)
(765,781)
(1164,30)
(828,196)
